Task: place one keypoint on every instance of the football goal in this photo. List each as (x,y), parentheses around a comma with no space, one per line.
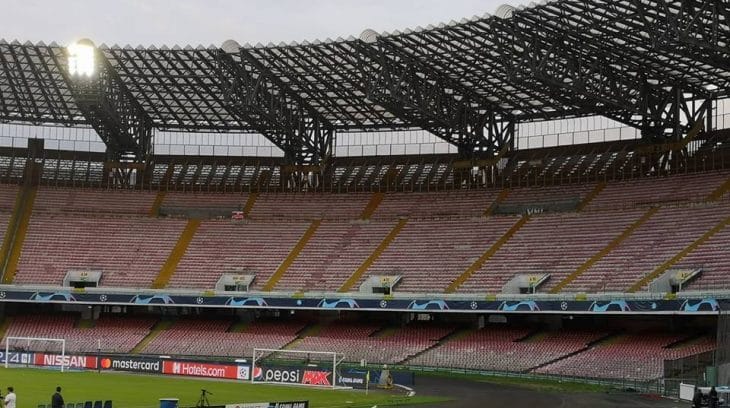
(310,368)
(21,346)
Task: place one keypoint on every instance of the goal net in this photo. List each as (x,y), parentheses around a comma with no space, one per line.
(310,368)
(24,347)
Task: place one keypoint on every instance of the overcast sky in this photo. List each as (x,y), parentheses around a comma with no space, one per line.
(170,22)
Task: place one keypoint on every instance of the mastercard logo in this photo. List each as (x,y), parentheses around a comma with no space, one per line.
(106,363)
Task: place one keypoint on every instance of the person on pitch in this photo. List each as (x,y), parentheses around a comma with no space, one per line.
(57,399)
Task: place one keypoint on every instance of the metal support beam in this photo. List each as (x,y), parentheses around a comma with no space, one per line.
(432,101)
(117,117)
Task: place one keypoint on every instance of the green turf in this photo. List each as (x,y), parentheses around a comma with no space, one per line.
(35,386)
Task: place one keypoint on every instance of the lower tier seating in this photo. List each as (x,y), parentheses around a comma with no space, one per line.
(635,356)
(503,349)
(198,337)
(566,352)
(364,342)
(109,334)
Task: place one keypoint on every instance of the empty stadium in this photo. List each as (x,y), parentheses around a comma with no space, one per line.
(541,193)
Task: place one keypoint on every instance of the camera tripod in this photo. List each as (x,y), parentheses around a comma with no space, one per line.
(203,400)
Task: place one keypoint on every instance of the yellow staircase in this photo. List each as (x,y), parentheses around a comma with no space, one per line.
(605,251)
(156,330)
(587,200)
(373,204)
(678,257)
(168,269)
(360,271)
(249,204)
(720,191)
(293,254)
(501,197)
(476,265)
(159,199)
(15,234)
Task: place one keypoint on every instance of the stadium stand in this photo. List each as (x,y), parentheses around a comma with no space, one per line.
(83,200)
(683,188)
(710,258)
(365,342)
(574,238)
(633,356)
(312,206)
(252,248)
(455,204)
(437,247)
(58,242)
(664,235)
(336,249)
(8,194)
(211,337)
(193,200)
(506,349)
(109,334)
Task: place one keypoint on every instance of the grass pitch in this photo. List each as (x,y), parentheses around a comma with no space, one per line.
(35,386)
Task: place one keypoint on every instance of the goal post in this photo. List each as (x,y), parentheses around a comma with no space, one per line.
(310,368)
(34,344)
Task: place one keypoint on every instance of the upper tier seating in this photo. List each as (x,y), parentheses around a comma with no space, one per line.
(443,204)
(658,190)
(444,248)
(8,194)
(659,239)
(198,337)
(712,258)
(113,334)
(635,356)
(222,247)
(309,206)
(229,201)
(541,195)
(551,243)
(335,251)
(50,199)
(129,251)
(444,234)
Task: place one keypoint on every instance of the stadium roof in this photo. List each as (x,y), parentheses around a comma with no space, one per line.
(629,60)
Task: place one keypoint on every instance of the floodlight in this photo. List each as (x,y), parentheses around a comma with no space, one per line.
(81,61)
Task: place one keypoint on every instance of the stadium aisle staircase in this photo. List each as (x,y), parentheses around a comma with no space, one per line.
(678,257)
(373,205)
(454,335)
(293,254)
(590,196)
(477,264)
(159,199)
(249,204)
(15,235)
(605,251)
(156,331)
(720,191)
(360,271)
(168,269)
(497,201)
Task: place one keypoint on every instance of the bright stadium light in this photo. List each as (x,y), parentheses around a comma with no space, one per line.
(81,61)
